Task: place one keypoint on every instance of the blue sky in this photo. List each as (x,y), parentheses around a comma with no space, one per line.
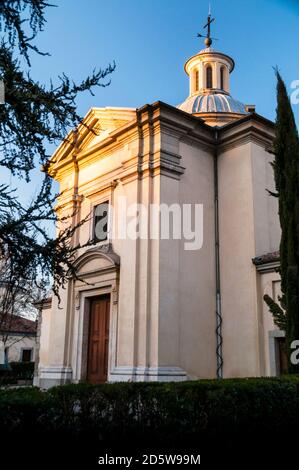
(150,40)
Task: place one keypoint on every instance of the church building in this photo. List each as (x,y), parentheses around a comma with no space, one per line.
(159,308)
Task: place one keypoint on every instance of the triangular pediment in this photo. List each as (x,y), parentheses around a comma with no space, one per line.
(95,127)
(107,120)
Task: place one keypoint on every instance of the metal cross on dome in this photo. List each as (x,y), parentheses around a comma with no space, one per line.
(208,39)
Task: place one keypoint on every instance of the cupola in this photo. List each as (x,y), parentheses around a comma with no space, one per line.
(209,85)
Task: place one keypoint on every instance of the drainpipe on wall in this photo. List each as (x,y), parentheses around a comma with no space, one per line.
(219,339)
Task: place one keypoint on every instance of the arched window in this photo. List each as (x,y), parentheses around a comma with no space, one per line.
(209,77)
(222,72)
(196,80)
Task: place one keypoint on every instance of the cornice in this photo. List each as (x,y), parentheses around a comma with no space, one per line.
(206,55)
(268,262)
(268,267)
(166,119)
(250,117)
(101,150)
(44,304)
(251,128)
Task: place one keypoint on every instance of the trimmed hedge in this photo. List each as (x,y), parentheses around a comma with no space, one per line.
(16,371)
(167,414)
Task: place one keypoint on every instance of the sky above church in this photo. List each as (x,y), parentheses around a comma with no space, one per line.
(150,40)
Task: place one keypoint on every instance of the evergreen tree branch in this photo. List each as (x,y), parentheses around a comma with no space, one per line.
(279,315)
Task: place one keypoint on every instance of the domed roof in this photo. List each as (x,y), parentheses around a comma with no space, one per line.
(212,103)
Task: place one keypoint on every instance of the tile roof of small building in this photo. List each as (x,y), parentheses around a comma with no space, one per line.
(16,324)
(266,258)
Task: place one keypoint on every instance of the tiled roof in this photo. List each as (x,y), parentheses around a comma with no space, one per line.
(17,324)
(267,258)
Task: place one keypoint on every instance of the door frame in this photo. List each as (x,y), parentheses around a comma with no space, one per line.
(103,297)
(273,356)
(81,330)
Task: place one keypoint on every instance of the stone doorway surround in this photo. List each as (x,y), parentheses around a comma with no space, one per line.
(102,279)
(98,274)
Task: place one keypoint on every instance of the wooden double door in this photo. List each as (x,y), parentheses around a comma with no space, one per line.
(98,341)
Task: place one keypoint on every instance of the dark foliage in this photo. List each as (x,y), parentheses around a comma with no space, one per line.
(279,315)
(286,173)
(12,22)
(15,371)
(34,115)
(190,415)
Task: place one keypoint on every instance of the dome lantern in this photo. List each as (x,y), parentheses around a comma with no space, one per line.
(209,84)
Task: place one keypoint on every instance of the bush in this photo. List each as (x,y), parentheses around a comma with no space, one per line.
(16,371)
(22,370)
(177,415)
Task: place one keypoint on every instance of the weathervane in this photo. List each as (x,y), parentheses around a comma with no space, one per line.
(208,39)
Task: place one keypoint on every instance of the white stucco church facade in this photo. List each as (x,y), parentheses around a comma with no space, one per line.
(146,308)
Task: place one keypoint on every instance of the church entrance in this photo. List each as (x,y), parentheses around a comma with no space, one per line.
(98,340)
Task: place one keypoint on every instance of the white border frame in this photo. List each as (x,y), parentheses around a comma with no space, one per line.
(26,349)
(96,201)
(81,322)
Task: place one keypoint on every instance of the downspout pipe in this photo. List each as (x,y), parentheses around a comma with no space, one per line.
(219,338)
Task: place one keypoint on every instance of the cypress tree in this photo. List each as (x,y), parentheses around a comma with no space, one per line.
(286,173)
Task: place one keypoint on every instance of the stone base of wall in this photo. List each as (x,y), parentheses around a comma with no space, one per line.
(147,374)
(53,375)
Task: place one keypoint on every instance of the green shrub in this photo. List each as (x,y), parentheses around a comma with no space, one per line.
(15,371)
(165,414)
(22,370)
